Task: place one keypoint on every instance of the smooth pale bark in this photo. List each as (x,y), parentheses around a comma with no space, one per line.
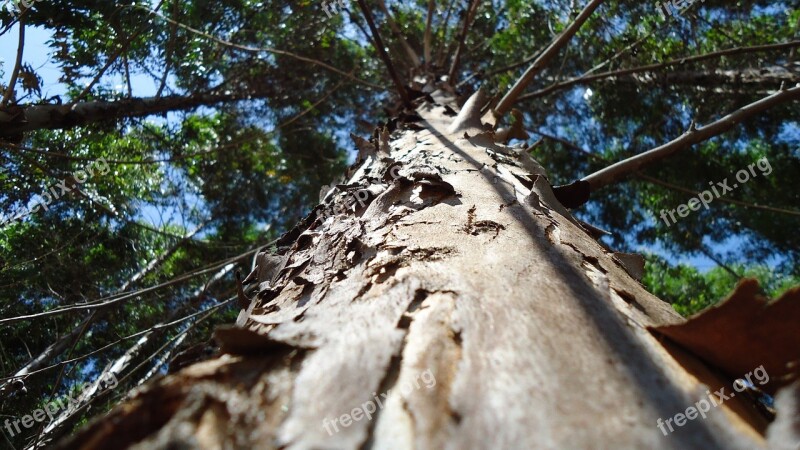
(464,299)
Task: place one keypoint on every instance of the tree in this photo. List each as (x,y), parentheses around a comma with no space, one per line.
(391,243)
(464,265)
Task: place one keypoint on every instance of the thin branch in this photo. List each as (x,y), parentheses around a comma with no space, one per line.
(60,376)
(310,108)
(128,74)
(674,187)
(662,183)
(170,46)
(628,166)
(378,43)
(440,52)
(116,366)
(412,55)
(627,48)
(468,18)
(653,67)
(17,65)
(568,144)
(51,154)
(427,40)
(541,62)
(118,341)
(122,296)
(122,48)
(710,255)
(267,50)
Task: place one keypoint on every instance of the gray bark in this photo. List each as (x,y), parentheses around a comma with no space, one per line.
(462,298)
(31,118)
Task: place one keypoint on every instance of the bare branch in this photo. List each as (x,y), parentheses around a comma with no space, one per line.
(275,51)
(67,116)
(628,166)
(17,65)
(440,52)
(674,187)
(653,67)
(120,340)
(379,47)
(412,55)
(123,296)
(427,39)
(473,6)
(170,47)
(122,48)
(560,42)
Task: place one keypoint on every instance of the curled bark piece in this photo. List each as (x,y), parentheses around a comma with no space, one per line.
(470,115)
(745,332)
(515,131)
(632,263)
(574,194)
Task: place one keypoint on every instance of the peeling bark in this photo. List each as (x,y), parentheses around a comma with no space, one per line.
(458,262)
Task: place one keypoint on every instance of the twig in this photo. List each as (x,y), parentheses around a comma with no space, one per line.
(412,55)
(123,48)
(440,52)
(170,46)
(310,108)
(122,296)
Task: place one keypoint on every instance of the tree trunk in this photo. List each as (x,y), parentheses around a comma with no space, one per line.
(447,294)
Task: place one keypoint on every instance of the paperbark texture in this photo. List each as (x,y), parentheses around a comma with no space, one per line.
(457,262)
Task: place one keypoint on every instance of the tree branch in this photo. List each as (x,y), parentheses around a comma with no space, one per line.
(266,50)
(66,116)
(473,6)
(412,55)
(427,39)
(378,43)
(653,67)
(113,58)
(440,52)
(17,65)
(628,166)
(674,187)
(560,42)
